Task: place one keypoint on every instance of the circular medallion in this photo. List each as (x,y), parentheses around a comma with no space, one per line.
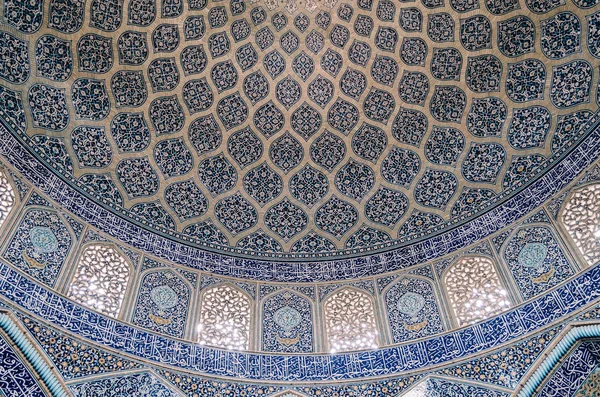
(287,318)
(164,297)
(411,303)
(43,240)
(532,255)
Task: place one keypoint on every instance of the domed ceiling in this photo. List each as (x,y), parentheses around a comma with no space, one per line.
(299,129)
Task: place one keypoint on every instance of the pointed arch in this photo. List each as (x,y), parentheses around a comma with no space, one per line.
(145,382)
(225,317)
(289,393)
(40,243)
(535,259)
(412,309)
(580,216)
(561,355)
(474,289)
(439,386)
(29,366)
(162,302)
(350,320)
(101,278)
(287,322)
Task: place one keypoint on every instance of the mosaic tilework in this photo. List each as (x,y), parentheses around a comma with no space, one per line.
(18,378)
(273,77)
(307,290)
(287,323)
(196,386)
(442,387)
(506,367)
(500,366)
(326,290)
(526,318)
(589,386)
(141,384)
(25,17)
(412,310)
(40,245)
(74,359)
(21,186)
(580,157)
(14,67)
(573,372)
(162,303)
(536,260)
(207,281)
(387,387)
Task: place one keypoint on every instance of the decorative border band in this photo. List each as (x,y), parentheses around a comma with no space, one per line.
(167,248)
(554,306)
(556,355)
(33,358)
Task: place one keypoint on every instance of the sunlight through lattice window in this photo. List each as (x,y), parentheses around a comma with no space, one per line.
(101,279)
(350,321)
(581,217)
(225,318)
(475,290)
(418,391)
(7,198)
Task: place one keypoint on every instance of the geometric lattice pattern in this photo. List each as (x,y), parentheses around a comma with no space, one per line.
(581,218)
(100,280)
(350,321)
(225,318)
(7,197)
(474,289)
(297,129)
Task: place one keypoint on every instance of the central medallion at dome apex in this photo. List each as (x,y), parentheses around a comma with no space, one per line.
(299,129)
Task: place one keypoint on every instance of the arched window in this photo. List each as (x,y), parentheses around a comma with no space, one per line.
(419,390)
(581,218)
(101,279)
(350,321)
(225,318)
(7,198)
(475,290)
(289,394)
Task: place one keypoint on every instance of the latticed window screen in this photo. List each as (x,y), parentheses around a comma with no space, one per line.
(7,198)
(225,318)
(475,290)
(419,390)
(581,218)
(350,321)
(101,279)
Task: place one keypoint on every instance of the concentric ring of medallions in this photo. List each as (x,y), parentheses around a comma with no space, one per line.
(302,129)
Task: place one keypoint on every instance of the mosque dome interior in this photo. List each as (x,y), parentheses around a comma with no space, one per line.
(299,198)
